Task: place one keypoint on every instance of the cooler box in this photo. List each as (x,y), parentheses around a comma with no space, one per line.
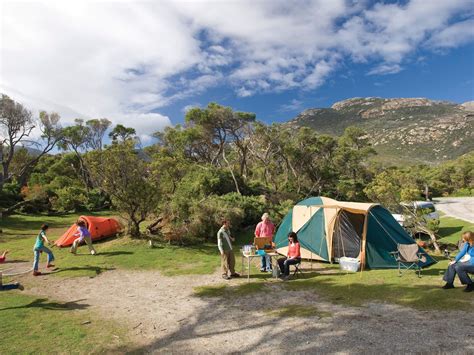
(349,264)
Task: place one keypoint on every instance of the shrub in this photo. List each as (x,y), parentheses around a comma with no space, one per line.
(69,199)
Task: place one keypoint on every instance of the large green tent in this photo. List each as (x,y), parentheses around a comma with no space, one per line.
(328,229)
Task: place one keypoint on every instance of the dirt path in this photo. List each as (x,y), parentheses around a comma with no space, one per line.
(458,207)
(162,315)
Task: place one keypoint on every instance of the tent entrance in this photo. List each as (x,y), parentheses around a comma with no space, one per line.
(347,236)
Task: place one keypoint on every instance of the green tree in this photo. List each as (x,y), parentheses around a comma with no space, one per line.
(126,178)
(120,133)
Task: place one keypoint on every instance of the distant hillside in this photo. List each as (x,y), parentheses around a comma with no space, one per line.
(408,130)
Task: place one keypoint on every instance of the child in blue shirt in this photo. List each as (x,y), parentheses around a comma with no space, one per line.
(39,248)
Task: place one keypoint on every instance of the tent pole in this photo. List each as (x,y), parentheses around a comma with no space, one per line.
(364,242)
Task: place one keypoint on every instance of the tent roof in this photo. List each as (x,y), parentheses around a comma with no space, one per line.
(327,202)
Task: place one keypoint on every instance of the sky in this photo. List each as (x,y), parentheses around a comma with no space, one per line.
(145,63)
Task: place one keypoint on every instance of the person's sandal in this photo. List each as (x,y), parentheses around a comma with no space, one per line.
(36,273)
(50,265)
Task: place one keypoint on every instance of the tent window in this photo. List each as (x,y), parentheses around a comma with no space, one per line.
(347,235)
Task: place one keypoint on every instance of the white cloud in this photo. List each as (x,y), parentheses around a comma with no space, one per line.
(453,36)
(384,69)
(293,105)
(125,59)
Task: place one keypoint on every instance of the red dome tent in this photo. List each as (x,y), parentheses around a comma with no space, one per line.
(99,227)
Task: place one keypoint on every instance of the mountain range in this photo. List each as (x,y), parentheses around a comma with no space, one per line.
(402,130)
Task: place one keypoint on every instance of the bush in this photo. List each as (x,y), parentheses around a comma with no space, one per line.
(204,216)
(9,195)
(463,192)
(69,199)
(97,200)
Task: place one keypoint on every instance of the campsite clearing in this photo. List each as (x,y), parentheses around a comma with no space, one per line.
(176,314)
(173,299)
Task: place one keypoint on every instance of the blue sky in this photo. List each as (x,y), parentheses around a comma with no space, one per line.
(438,76)
(143,63)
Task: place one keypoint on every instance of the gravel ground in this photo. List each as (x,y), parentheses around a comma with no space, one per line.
(458,207)
(163,315)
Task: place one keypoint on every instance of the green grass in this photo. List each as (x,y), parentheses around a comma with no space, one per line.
(31,325)
(19,233)
(224,290)
(297,310)
(451,229)
(386,286)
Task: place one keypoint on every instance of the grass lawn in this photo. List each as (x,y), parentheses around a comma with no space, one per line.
(32,325)
(19,233)
(451,229)
(355,289)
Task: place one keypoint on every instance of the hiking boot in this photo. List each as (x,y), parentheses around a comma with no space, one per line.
(225,277)
(36,273)
(448,286)
(20,287)
(262,270)
(235,275)
(50,265)
(469,287)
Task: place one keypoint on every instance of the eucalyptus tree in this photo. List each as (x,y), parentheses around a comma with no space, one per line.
(120,133)
(16,127)
(120,173)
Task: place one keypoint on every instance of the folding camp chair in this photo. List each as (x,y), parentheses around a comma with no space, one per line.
(297,270)
(408,256)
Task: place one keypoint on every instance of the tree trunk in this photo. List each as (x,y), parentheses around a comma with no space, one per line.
(134,228)
(232,173)
(10,210)
(433,240)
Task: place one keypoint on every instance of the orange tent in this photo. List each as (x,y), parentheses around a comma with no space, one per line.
(99,227)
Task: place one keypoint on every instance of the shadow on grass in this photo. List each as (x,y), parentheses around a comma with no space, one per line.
(55,306)
(15,261)
(447,231)
(115,253)
(96,269)
(419,296)
(22,223)
(432,272)
(225,290)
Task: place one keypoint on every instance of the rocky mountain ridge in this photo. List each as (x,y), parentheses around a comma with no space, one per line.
(405,130)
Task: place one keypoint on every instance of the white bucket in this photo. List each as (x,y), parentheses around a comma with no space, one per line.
(349,264)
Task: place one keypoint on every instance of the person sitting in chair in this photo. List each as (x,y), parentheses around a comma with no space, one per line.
(462,265)
(292,257)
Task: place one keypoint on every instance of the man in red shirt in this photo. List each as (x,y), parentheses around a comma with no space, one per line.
(265,228)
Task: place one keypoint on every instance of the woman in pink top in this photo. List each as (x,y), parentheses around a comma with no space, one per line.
(265,228)
(293,255)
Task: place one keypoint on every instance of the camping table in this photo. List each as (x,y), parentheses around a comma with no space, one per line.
(250,257)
